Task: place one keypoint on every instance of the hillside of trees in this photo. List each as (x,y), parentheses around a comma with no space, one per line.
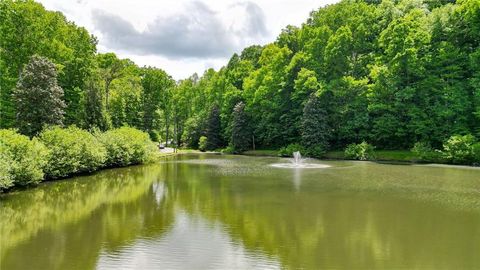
(392,73)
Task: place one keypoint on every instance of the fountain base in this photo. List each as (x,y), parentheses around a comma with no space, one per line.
(298,163)
(300,166)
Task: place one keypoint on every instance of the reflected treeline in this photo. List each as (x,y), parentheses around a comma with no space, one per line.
(345,218)
(66,224)
(354,215)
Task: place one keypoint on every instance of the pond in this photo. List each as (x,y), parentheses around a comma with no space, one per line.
(201,211)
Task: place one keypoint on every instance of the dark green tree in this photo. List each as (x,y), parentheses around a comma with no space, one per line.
(38,97)
(315,128)
(26,29)
(240,130)
(214,129)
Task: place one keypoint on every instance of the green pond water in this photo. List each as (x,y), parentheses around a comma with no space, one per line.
(235,212)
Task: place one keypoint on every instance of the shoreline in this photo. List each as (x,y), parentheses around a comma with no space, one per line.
(50,180)
(250,153)
(385,159)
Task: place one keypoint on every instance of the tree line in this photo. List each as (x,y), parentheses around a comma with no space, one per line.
(51,74)
(392,73)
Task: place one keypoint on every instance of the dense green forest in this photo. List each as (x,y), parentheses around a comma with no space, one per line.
(392,73)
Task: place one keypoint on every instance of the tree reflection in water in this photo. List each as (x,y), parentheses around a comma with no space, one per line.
(209,212)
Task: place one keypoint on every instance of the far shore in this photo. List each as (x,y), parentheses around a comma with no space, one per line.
(401,157)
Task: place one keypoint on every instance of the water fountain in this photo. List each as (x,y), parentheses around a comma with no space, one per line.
(299,163)
(297,158)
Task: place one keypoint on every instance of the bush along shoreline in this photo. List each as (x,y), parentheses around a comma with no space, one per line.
(58,152)
(456,150)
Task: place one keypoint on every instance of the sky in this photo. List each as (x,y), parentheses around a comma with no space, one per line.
(183,36)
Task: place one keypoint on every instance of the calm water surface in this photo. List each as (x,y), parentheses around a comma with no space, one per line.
(226,212)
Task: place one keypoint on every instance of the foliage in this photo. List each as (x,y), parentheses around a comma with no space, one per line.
(288,150)
(110,68)
(125,107)
(60,152)
(38,98)
(154,136)
(192,132)
(95,114)
(240,140)
(316,151)
(21,159)
(28,29)
(6,179)
(202,143)
(228,150)
(367,65)
(476,153)
(213,133)
(154,82)
(315,128)
(127,146)
(361,151)
(391,73)
(72,150)
(459,149)
(424,152)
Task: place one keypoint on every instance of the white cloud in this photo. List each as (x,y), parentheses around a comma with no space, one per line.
(198,33)
(183,37)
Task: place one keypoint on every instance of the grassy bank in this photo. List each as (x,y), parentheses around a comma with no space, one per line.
(381,155)
(261,153)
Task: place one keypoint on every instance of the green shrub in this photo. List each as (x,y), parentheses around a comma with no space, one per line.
(72,150)
(6,179)
(21,160)
(202,143)
(288,150)
(228,150)
(476,153)
(317,151)
(423,151)
(362,151)
(459,149)
(126,146)
(154,136)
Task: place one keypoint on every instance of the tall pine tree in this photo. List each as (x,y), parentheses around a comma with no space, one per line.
(315,127)
(214,129)
(240,132)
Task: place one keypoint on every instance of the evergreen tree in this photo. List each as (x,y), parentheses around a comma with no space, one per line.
(38,97)
(214,129)
(240,132)
(315,128)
